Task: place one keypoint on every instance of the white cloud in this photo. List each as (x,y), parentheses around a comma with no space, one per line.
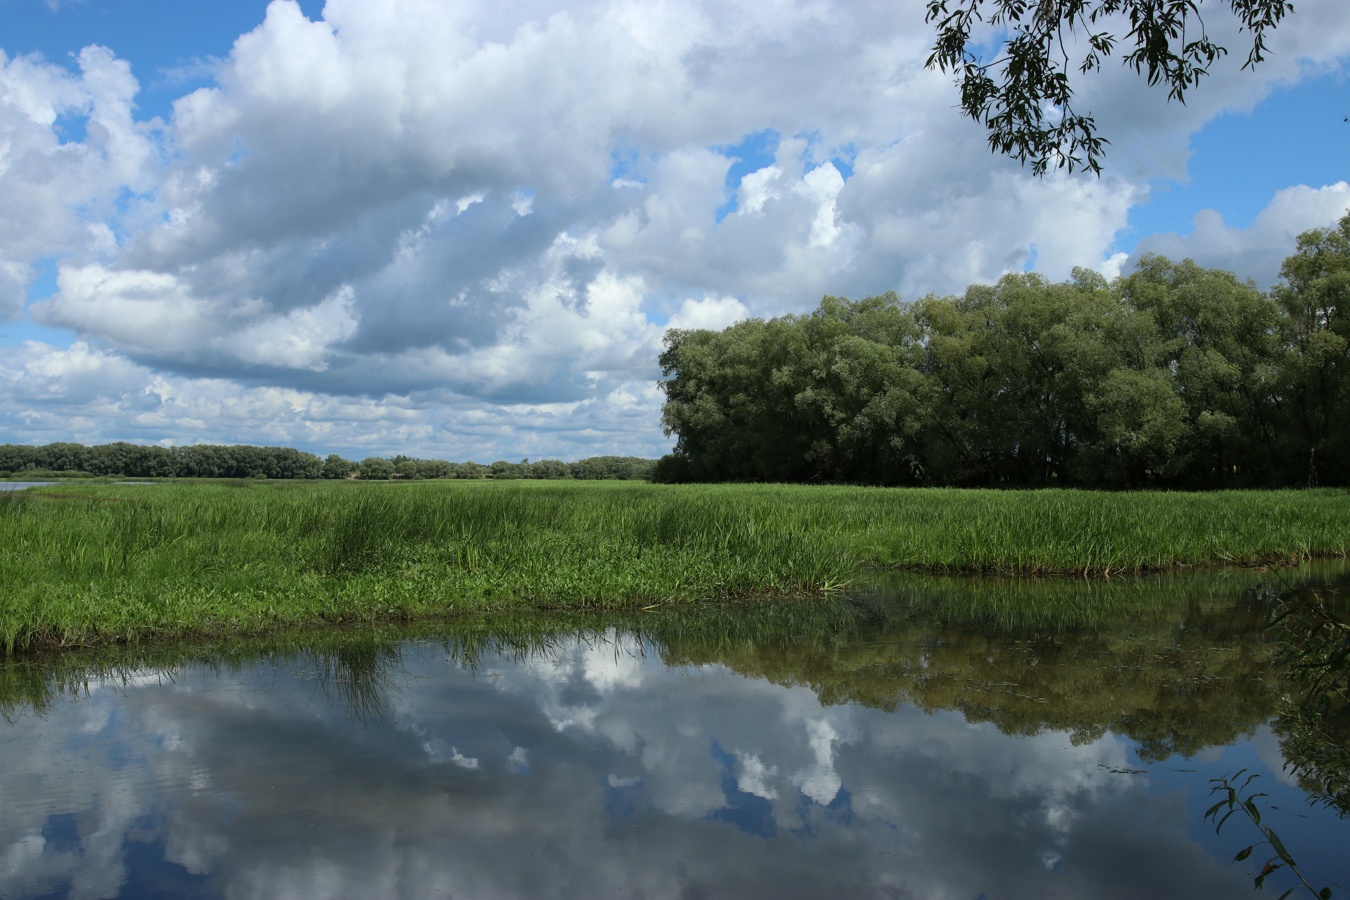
(60,191)
(754,776)
(1255,252)
(711,312)
(301,339)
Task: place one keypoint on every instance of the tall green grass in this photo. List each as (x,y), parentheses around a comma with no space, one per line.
(87,564)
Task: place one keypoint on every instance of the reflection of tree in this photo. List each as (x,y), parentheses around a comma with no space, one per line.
(1176,664)
(1314,720)
(1313,723)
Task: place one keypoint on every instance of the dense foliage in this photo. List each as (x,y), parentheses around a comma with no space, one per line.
(64,460)
(1174,376)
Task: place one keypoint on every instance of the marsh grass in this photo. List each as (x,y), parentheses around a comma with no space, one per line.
(87,564)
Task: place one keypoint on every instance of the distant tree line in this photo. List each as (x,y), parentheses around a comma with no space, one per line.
(1175,376)
(244,461)
(622,468)
(142,461)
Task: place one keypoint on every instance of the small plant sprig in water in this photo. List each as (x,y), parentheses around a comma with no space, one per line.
(1237,798)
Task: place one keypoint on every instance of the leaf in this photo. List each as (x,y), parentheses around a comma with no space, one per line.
(1278,845)
(1243,854)
(1266,871)
(1325,893)
(1252,811)
(1285,894)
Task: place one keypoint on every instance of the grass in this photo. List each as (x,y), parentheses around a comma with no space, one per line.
(86,564)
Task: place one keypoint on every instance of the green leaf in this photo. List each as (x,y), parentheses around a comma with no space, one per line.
(1278,845)
(1252,811)
(1325,893)
(1243,854)
(1285,894)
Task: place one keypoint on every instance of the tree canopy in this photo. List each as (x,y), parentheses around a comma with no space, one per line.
(1024,94)
(1173,376)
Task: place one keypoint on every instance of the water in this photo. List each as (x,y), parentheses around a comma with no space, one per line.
(892,746)
(23,485)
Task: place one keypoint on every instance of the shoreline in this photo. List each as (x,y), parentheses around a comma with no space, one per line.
(88,565)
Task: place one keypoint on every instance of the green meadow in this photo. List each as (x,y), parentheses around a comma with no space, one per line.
(87,564)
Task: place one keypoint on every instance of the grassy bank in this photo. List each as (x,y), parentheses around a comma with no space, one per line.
(87,564)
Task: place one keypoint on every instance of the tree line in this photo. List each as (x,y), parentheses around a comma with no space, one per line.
(244,461)
(1175,376)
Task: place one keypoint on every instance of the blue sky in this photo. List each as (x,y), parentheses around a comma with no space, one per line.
(460,230)
(166,42)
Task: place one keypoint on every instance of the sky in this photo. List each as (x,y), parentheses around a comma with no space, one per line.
(460,230)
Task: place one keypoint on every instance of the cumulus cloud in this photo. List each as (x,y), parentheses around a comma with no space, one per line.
(711,312)
(1255,252)
(61,190)
(492,212)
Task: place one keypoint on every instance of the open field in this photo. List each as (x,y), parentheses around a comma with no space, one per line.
(90,563)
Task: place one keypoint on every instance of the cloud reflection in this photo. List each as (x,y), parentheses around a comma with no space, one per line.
(593,769)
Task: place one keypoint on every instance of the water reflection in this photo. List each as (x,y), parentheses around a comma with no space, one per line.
(1312,627)
(888,747)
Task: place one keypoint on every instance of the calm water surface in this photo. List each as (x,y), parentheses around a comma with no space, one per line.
(925,741)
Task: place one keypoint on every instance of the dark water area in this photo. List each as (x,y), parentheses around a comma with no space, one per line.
(922,738)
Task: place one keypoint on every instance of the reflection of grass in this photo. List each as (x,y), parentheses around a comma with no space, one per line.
(87,564)
(354,667)
(1175,664)
(1058,603)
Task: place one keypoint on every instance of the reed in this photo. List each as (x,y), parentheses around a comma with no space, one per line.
(87,564)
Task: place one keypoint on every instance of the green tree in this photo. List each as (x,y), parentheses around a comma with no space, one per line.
(1217,339)
(861,391)
(1023,91)
(376,468)
(337,467)
(1143,428)
(1315,381)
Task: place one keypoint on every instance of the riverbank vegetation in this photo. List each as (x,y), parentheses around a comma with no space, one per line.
(1174,376)
(97,563)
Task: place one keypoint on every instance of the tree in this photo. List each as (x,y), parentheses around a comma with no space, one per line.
(1315,300)
(1024,95)
(337,467)
(1216,337)
(376,468)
